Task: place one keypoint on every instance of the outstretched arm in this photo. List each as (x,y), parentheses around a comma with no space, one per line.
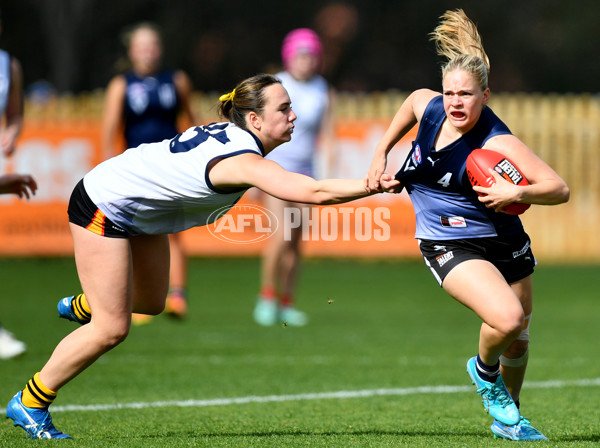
(251,170)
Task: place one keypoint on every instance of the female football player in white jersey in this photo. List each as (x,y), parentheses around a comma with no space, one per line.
(480,256)
(122,210)
(301,53)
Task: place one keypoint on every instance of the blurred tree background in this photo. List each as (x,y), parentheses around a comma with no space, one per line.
(534,46)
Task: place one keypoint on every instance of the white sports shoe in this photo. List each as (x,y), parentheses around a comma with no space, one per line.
(293,317)
(9,346)
(266,312)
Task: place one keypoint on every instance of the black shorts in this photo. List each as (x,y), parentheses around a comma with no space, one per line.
(83,212)
(511,255)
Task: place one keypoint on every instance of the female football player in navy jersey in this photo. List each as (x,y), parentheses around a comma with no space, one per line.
(122,210)
(144,104)
(479,255)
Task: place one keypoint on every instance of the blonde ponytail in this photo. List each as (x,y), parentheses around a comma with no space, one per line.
(457,39)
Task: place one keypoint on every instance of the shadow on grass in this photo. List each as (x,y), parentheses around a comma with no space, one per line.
(258,435)
(575,438)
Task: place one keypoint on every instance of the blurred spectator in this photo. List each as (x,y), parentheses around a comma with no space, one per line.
(23,185)
(11,113)
(41,92)
(143,104)
(337,25)
(310,94)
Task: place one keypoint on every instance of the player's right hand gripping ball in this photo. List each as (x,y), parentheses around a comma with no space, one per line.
(478,163)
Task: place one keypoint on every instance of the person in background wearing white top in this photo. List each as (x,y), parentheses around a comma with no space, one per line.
(123,210)
(24,186)
(311,99)
(11,112)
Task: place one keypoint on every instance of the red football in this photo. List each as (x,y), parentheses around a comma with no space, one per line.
(478,163)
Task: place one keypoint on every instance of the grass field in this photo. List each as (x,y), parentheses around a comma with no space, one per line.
(383,338)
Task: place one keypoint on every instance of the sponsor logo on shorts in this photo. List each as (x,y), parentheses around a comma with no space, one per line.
(443,259)
(522,251)
(439,248)
(453,221)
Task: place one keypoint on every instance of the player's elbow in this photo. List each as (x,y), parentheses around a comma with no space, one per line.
(560,193)
(317,193)
(564,193)
(321,198)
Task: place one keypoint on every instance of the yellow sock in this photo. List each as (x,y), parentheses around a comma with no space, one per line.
(81,308)
(36,395)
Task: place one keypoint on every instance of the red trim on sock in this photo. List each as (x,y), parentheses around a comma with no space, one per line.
(287,300)
(268,293)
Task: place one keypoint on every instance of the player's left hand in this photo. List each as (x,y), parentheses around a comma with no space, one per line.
(376,171)
(390,184)
(499,194)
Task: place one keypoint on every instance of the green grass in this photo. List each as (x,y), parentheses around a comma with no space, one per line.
(388,326)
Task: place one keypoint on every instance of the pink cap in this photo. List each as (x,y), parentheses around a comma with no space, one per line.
(300,40)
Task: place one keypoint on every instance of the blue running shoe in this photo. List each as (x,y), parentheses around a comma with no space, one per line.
(65,310)
(496,399)
(36,422)
(522,431)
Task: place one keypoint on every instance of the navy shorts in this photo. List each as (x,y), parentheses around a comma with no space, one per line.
(84,213)
(511,255)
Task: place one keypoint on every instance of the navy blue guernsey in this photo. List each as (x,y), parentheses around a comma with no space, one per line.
(150,108)
(446,207)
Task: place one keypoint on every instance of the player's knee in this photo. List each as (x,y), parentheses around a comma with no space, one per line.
(511,324)
(155,308)
(517,349)
(517,353)
(152,305)
(112,335)
(155,311)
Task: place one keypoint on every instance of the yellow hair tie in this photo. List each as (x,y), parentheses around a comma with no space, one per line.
(227,96)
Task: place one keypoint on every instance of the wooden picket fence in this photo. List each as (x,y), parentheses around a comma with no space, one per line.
(564,130)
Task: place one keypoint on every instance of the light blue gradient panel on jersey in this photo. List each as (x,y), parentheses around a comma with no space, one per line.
(4,80)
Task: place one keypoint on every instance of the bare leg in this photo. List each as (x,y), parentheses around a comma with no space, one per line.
(107,275)
(178,273)
(514,376)
(271,273)
(478,285)
(290,260)
(150,254)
